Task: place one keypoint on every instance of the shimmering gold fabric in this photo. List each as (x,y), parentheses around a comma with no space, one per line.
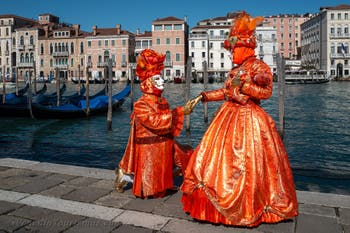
(240,174)
(151,147)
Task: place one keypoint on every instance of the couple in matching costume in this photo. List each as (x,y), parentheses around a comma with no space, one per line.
(239,174)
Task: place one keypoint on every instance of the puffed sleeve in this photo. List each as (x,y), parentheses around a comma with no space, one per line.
(215,95)
(260,85)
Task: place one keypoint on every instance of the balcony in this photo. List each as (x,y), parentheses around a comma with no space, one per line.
(168,63)
(340,55)
(221,37)
(61,66)
(60,54)
(339,35)
(30,47)
(104,64)
(25,65)
(198,36)
(124,64)
(20,47)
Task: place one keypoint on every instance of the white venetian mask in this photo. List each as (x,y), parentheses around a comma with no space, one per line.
(158,82)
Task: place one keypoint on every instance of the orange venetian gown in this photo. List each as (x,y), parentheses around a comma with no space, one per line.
(152,151)
(240,173)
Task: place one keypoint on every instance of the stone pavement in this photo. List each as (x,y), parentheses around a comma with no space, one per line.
(49,198)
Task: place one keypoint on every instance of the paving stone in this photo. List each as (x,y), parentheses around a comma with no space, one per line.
(86,194)
(155,222)
(10,183)
(344,216)
(144,205)
(63,177)
(92,225)
(37,186)
(22,173)
(307,223)
(53,223)
(80,182)
(175,199)
(6,207)
(57,191)
(32,212)
(287,226)
(180,226)
(317,210)
(3,168)
(132,229)
(171,210)
(114,199)
(12,223)
(103,184)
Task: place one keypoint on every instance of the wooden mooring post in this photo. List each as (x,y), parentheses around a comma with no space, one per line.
(87,93)
(188,89)
(34,77)
(131,79)
(281,87)
(57,86)
(29,95)
(110,106)
(205,82)
(3,85)
(79,84)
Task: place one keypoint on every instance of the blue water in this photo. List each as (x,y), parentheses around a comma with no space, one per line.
(316,134)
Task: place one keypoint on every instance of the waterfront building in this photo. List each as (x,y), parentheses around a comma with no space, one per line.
(110,43)
(206,46)
(170,37)
(142,41)
(326,40)
(10,44)
(287,32)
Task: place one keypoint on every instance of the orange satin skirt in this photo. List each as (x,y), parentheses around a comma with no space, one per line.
(240,173)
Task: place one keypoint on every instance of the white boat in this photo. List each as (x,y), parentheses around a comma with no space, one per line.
(306,77)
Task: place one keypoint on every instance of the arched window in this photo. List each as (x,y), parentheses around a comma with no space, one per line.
(21,58)
(51,48)
(31,57)
(105,56)
(99,58)
(67,49)
(42,48)
(14,41)
(51,63)
(346,29)
(81,47)
(21,40)
(332,48)
(56,47)
(31,40)
(167,56)
(7,46)
(27,58)
(72,62)
(72,48)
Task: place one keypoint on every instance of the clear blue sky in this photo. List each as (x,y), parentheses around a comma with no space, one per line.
(134,14)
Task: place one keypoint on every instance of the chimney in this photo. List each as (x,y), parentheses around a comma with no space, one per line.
(94,30)
(76,28)
(46,29)
(138,31)
(118,29)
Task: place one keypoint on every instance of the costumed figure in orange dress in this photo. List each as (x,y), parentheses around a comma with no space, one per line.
(152,152)
(240,174)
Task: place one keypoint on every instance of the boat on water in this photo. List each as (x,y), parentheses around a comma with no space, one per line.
(77,108)
(306,77)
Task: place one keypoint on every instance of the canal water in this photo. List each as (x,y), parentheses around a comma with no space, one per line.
(317,133)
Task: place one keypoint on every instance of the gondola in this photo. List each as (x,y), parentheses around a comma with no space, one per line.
(17,105)
(77,108)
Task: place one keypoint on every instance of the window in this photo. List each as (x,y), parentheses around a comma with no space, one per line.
(167,40)
(177,57)
(167,56)
(113,42)
(123,58)
(106,42)
(158,41)
(72,62)
(51,63)
(332,16)
(203,54)
(7,31)
(167,27)
(41,48)
(41,62)
(222,55)
(99,58)
(31,40)
(346,16)
(192,44)
(177,40)
(81,47)
(222,65)
(123,42)
(339,16)
(177,27)
(192,54)
(21,42)
(89,44)
(99,43)
(157,27)
(203,44)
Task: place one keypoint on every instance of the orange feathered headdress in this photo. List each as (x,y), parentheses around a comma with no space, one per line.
(242,33)
(149,63)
